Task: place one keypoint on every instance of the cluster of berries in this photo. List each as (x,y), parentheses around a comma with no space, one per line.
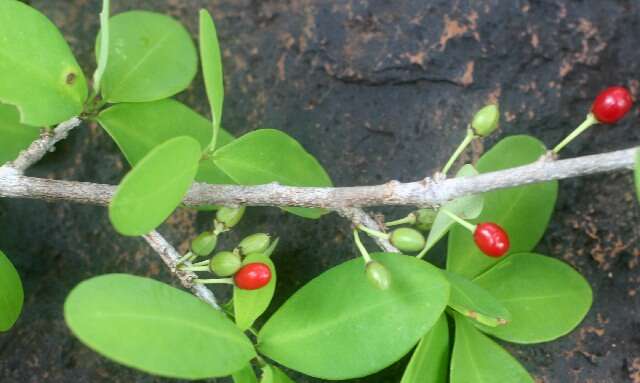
(611,105)
(250,276)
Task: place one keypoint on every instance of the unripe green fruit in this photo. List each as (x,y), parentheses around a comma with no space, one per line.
(255,243)
(378,275)
(204,244)
(229,216)
(425,219)
(225,263)
(407,239)
(486,120)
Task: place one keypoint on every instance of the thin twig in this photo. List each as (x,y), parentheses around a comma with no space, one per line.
(170,257)
(40,147)
(421,193)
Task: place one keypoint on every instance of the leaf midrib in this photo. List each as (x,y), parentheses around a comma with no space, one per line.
(311,330)
(180,322)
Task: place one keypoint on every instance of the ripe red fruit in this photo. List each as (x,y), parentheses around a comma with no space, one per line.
(612,104)
(252,276)
(491,239)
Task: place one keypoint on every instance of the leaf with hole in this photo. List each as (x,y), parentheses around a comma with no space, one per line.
(473,301)
(211,68)
(269,155)
(272,374)
(38,72)
(139,127)
(523,212)
(156,328)
(339,326)
(150,192)
(468,207)
(11,294)
(248,305)
(546,297)
(151,57)
(476,358)
(430,360)
(14,136)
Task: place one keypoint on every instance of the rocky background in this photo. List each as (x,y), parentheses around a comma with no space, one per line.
(377,90)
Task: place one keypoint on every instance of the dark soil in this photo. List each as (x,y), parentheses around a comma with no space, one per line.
(377,90)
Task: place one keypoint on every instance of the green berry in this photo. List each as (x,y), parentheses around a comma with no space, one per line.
(425,219)
(230,216)
(407,239)
(255,243)
(225,263)
(486,120)
(204,244)
(378,275)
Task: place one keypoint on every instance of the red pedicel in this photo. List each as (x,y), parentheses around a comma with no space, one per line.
(491,239)
(612,104)
(252,276)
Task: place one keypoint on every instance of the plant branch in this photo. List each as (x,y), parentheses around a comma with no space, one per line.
(342,199)
(39,148)
(170,257)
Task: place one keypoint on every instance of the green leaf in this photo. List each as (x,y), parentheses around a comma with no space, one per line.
(14,136)
(211,69)
(150,192)
(269,155)
(637,173)
(156,328)
(104,42)
(139,127)
(524,211)
(339,326)
(272,374)
(430,360)
(11,294)
(546,297)
(473,301)
(468,207)
(151,57)
(246,375)
(38,73)
(250,304)
(478,359)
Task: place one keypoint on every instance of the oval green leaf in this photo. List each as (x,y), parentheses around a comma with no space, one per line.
(246,375)
(211,61)
(38,73)
(430,360)
(478,359)
(546,297)
(269,155)
(272,374)
(14,136)
(139,127)
(524,211)
(468,207)
(151,56)
(248,305)
(156,328)
(104,42)
(473,301)
(155,186)
(11,294)
(339,326)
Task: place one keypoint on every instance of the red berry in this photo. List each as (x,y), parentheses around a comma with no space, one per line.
(252,276)
(491,239)
(612,104)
